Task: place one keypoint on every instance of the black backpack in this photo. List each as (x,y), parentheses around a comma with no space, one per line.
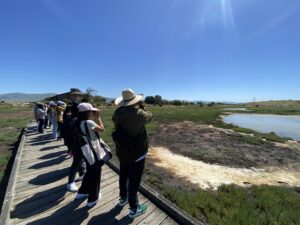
(127,147)
(122,139)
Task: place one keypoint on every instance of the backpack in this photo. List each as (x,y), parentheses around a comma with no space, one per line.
(75,134)
(127,147)
(122,139)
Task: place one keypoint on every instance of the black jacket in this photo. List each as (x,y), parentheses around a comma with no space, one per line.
(131,122)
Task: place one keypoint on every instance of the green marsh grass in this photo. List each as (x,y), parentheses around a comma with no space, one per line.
(232,205)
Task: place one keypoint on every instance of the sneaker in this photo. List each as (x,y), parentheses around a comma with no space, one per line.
(81,196)
(141,209)
(72,187)
(92,204)
(123,201)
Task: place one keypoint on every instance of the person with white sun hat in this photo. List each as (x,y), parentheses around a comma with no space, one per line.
(131,141)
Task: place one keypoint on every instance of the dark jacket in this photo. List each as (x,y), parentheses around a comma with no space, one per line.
(132,121)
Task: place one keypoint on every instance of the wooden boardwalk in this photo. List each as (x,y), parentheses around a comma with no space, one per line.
(40,195)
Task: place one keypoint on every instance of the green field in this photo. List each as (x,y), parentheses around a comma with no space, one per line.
(12,119)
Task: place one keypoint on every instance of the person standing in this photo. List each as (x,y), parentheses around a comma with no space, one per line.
(60,108)
(53,119)
(46,117)
(67,119)
(131,116)
(74,134)
(41,114)
(90,124)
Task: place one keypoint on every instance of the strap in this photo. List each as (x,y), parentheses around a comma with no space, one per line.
(87,133)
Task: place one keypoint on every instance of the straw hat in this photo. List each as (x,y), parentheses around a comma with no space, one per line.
(128,98)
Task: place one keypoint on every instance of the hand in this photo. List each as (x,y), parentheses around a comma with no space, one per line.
(96,114)
(141,105)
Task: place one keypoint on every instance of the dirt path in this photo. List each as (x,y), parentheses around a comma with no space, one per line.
(208,157)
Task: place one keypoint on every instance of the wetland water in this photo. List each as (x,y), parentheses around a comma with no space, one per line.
(284,126)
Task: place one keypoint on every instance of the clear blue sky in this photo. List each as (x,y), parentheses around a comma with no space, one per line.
(221,50)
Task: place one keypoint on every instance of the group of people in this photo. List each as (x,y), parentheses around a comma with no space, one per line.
(50,114)
(78,121)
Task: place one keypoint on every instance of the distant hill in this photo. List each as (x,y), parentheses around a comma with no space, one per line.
(276,103)
(22,97)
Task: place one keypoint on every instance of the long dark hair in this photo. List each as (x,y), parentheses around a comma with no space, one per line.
(81,116)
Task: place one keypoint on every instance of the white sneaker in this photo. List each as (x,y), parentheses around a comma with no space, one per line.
(92,204)
(81,196)
(72,187)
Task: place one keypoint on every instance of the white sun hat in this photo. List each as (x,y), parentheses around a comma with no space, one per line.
(128,98)
(83,107)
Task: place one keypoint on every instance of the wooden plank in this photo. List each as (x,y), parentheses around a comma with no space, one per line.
(156,217)
(74,209)
(28,175)
(168,221)
(25,194)
(115,214)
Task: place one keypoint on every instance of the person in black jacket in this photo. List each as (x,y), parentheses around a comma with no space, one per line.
(131,141)
(73,135)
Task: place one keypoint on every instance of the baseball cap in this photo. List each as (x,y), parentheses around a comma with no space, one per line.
(83,107)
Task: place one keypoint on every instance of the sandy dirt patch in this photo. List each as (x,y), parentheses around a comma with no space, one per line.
(209,176)
(204,156)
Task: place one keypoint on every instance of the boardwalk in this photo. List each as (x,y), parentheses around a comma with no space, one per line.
(40,195)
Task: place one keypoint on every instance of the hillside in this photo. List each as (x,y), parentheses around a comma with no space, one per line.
(276,103)
(22,97)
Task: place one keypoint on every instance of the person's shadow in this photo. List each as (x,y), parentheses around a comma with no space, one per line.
(64,214)
(39,203)
(49,177)
(110,218)
(72,215)
(50,162)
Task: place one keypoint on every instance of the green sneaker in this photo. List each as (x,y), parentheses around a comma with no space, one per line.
(141,209)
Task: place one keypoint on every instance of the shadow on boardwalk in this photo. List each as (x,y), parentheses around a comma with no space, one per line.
(48,163)
(50,177)
(39,203)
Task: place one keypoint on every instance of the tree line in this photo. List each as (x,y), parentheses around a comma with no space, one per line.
(158,100)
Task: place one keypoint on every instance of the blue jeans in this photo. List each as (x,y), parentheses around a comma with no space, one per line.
(54,129)
(131,173)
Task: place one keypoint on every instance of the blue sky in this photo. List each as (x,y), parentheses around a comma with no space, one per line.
(221,50)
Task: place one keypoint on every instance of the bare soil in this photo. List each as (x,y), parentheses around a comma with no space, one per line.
(205,156)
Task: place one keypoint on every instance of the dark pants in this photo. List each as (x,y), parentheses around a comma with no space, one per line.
(131,172)
(41,126)
(91,182)
(46,122)
(78,164)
